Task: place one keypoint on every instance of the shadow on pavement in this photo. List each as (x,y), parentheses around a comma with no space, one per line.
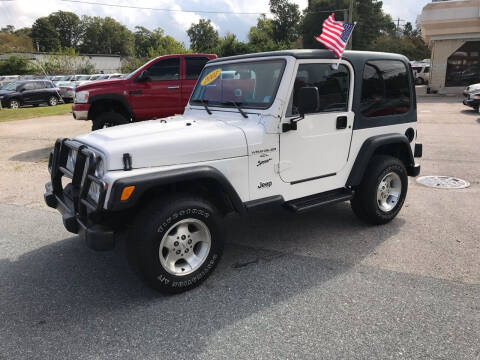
(33,155)
(75,303)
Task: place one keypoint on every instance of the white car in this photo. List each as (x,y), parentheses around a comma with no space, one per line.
(288,128)
(422,73)
(472,96)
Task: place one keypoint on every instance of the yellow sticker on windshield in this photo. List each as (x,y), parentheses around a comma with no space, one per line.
(211,77)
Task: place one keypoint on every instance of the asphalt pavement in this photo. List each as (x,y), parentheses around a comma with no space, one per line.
(321,285)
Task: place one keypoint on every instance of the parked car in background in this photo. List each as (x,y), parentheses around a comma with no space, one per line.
(56,79)
(115,76)
(96,77)
(472,96)
(422,73)
(7,79)
(66,90)
(160,88)
(29,92)
(80,79)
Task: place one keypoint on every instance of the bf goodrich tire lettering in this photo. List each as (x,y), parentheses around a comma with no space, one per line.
(176,242)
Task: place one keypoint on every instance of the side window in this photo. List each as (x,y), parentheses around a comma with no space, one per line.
(194,66)
(385,88)
(427,70)
(333,86)
(168,69)
(29,86)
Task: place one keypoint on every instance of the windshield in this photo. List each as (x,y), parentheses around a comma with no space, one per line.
(11,86)
(248,84)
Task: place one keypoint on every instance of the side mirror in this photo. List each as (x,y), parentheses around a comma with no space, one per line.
(144,76)
(309,100)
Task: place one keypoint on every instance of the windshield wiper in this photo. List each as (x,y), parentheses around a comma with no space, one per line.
(244,114)
(204,103)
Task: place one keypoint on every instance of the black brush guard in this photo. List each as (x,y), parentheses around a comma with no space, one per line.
(79,212)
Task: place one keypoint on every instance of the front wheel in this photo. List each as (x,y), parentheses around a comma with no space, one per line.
(14,104)
(176,243)
(381,195)
(108,119)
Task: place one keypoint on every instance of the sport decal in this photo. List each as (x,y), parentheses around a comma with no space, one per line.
(211,77)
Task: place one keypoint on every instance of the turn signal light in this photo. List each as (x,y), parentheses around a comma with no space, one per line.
(127,192)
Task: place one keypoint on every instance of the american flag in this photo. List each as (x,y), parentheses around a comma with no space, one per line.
(335,35)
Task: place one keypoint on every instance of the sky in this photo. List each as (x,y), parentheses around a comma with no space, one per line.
(21,13)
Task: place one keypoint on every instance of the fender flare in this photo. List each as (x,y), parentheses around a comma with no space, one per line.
(369,148)
(114,97)
(146,182)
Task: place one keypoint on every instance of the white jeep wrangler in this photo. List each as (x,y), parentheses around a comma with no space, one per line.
(287,127)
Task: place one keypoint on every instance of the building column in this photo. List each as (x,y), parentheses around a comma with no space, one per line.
(441,51)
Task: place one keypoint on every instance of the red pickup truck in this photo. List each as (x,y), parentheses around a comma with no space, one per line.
(157,89)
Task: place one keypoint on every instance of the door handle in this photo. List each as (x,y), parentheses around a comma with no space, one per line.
(135,92)
(342,122)
(173,87)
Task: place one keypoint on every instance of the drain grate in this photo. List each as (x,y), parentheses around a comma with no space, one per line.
(443,182)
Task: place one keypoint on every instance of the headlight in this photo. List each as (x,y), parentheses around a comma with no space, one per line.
(71,159)
(100,170)
(94,192)
(81,97)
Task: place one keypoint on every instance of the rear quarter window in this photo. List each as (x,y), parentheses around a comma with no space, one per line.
(385,88)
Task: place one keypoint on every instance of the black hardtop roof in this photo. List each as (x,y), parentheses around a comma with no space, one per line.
(317,54)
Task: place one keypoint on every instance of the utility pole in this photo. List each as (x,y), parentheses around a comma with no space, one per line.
(398,26)
(350,20)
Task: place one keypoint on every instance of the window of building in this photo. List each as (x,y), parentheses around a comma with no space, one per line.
(385,89)
(194,66)
(168,69)
(333,86)
(463,66)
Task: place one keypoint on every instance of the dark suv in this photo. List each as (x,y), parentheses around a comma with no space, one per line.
(29,92)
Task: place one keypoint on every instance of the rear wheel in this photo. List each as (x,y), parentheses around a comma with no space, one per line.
(381,195)
(52,101)
(176,242)
(108,119)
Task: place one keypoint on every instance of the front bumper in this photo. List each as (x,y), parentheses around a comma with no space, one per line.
(471,102)
(78,213)
(80,111)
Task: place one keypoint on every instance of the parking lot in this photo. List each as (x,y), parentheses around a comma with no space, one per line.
(311,286)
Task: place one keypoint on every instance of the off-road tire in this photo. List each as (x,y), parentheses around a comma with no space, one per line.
(52,101)
(365,204)
(108,119)
(154,222)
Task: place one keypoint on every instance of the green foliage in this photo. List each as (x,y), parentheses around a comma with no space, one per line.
(286,21)
(372,22)
(10,42)
(15,65)
(68,27)
(106,36)
(410,44)
(203,37)
(45,35)
(229,46)
(261,37)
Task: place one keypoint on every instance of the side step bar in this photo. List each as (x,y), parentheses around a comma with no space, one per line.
(315,201)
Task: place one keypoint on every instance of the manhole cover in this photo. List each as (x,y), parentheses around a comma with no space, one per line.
(443,182)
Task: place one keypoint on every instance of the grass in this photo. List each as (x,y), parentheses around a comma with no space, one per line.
(34,112)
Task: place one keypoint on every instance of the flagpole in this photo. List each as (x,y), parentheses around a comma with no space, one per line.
(336,65)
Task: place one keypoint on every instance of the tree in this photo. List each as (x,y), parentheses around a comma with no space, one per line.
(261,37)
(229,46)
(106,36)
(15,65)
(372,22)
(286,21)
(64,61)
(68,27)
(146,40)
(15,43)
(44,35)
(203,37)
(8,29)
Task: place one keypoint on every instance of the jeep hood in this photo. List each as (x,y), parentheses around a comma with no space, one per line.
(171,141)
